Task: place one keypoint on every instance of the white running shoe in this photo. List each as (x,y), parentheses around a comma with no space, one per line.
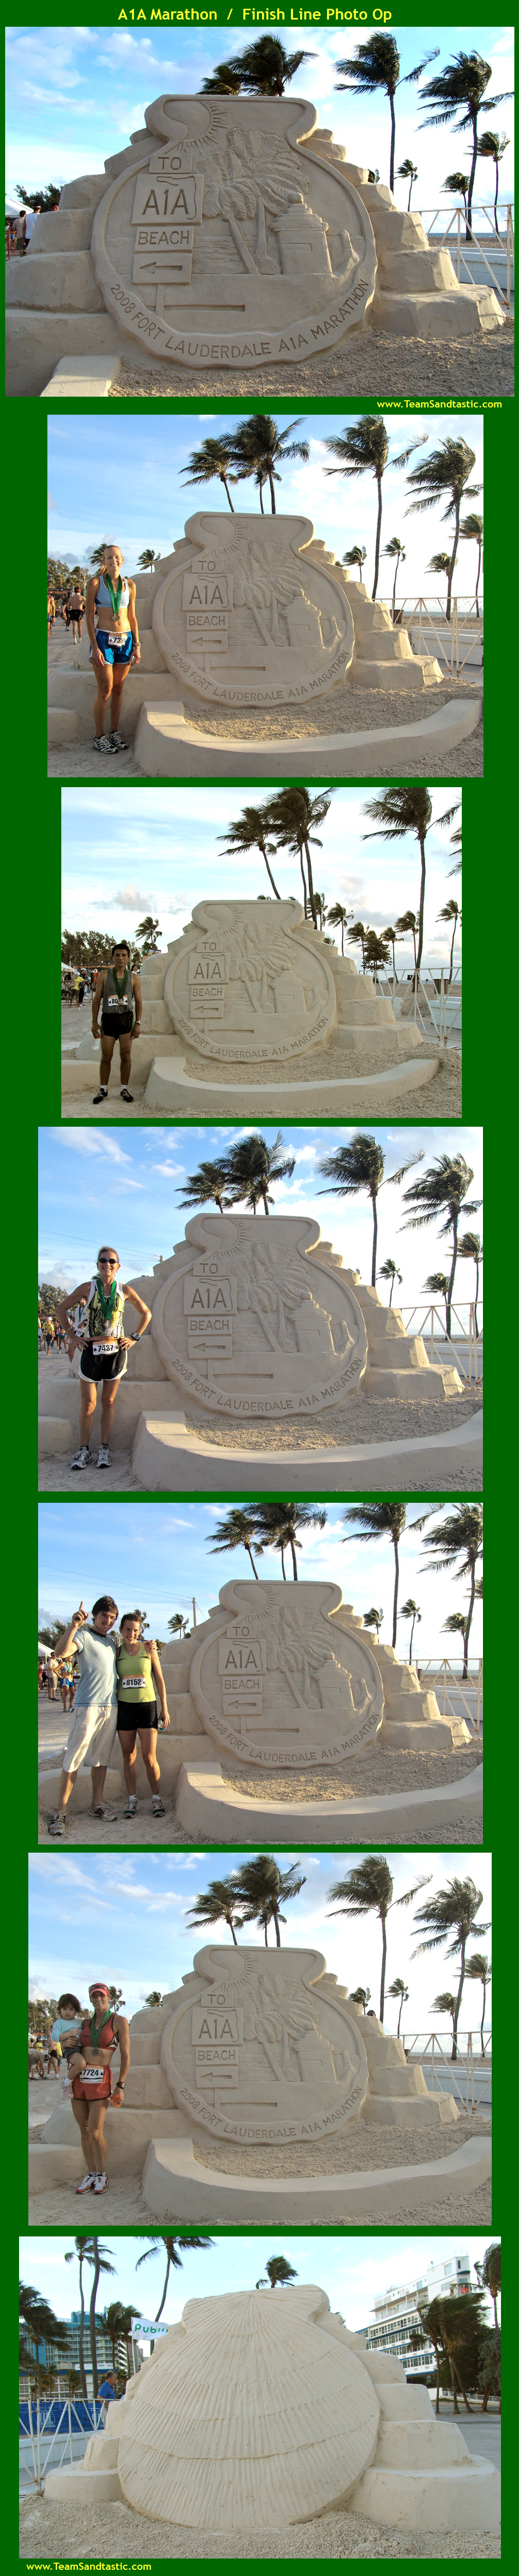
(101,2182)
(87,2183)
(101,742)
(118,743)
(103,1456)
(82,1457)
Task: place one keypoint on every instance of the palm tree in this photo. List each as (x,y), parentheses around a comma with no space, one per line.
(154,1999)
(407,921)
(41,2326)
(205,1187)
(188,2244)
(249,833)
(98,2258)
(358,933)
(263,1888)
(337,918)
(457,185)
(445,2003)
(397,552)
(373,1619)
(252,1169)
(361,1996)
(438,1286)
(440,563)
(452,1910)
(117,2323)
(392,935)
(470,1249)
(447,470)
(491,148)
(237,1530)
(263,69)
(219,1904)
(479,1970)
(213,458)
(456,96)
(259,446)
(376,65)
(456,844)
(408,170)
(397,811)
(411,1611)
(443,1187)
(364,447)
(450,912)
(293,816)
(389,1271)
(399,1994)
(277,1525)
(472,529)
(360,1166)
(147,559)
(374,1521)
(460,1534)
(279,2272)
(368,1889)
(177,1624)
(79,2252)
(488,2273)
(377,954)
(357,555)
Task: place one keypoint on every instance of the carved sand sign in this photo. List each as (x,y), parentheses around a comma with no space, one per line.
(248,1324)
(265,2051)
(279,1684)
(244,988)
(247,617)
(227,243)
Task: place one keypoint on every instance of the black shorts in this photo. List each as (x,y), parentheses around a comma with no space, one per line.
(116,1024)
(111,1364)
(128,1723)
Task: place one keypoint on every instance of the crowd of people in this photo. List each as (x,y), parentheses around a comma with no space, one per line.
(18,229)
(70,607)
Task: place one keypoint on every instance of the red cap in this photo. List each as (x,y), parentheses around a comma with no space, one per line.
(99,1987)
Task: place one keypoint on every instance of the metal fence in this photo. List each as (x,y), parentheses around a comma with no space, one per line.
(431,1001)
(468,2076)
(52,2430)
(473,263)
(458,1698)
(464,1348)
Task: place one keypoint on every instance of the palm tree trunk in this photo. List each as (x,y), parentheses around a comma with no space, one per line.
(437,2406)
(261,500)
(265,1928)
(231,1929)
(304,882)
(383,1976)
(278,1934)
(495,200)
(395,1594)
(377,539)
(92,2319)
(293,1555)
(82,2371)
(453,559)
(392,1287)
(469,1621)
(283,1562)
(473,168)
(261,846)
(342,938)
(231,503)
(454,2051)
(394,590)
(310,878)
(409,198)
(483,2017)
(411,1644)
(392,152)
(421,837)
(399,2017)
(452,954)
(272,492)
(249,1553)
(375,1233)
(159,2310)
(453,2385)
(451,1280)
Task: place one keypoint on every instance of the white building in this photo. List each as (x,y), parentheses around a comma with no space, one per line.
(397,2310)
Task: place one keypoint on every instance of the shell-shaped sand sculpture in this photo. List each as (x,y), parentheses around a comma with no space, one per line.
(256,2414)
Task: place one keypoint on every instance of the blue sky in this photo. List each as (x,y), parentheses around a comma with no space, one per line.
(76,94)
(145,847)
(123,1917)
(352,2270)
(129,485)
(127,1186)
(159,1555)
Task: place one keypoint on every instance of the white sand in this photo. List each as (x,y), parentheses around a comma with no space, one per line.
(423,369)
(118,2536)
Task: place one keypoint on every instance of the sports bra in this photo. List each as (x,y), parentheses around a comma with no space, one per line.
(103,601)
(103,2038)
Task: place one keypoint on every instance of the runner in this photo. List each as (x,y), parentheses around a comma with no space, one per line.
(103,1347)
(90,2082)
(75,611)
(94,1716)
(114,643)
(136,1663)
(118,988)
(51,613)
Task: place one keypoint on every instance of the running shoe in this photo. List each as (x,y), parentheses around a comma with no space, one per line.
(82,1457)
(99,1095)
(117,742)
(101,2182)
(131,1809)
(56,1825)
(88,2182)
(104,1815)
(103,1456)
(125,1093)
(101,743)
(158,1809)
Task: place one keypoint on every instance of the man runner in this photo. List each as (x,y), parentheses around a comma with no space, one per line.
(114,644)
(94,1717)
(118,989)
(103,1345)
(75,613)
(90,2081)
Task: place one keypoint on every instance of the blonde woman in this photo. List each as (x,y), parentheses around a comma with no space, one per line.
(114,644)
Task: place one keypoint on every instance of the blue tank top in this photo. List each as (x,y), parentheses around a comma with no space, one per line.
(103,607)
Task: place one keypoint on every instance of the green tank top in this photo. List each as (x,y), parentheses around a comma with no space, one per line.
(134,1678)
(105,1323)
(118,997)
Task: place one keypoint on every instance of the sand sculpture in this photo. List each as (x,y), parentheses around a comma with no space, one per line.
(229,234)
(259,2410)
(250,992)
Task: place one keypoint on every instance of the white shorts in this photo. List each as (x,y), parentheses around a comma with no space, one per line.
(92,1731)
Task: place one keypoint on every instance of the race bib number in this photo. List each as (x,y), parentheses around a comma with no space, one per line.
(111,1003)
(133,1681)
(102,1348)
(92,2075)
(117,637)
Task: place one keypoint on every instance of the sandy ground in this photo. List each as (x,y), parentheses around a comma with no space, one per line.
(363,2147)
(121,2537)
(377,1776)
(163,1831)
(365,1418)
(344,710)
(55,1476)
(365,362)
(439,1098)
(124,2205)
(384,708)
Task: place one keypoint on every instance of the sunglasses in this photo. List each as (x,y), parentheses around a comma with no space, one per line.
(106,1260)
